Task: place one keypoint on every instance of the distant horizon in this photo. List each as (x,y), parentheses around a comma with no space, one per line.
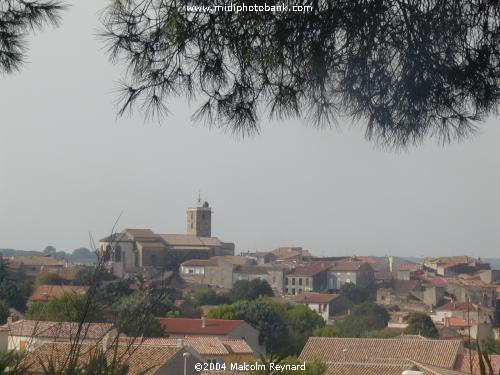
(238,252)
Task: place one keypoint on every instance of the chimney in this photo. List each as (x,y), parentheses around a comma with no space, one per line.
(412,372)
(203,322)
(105,342)
(180,343)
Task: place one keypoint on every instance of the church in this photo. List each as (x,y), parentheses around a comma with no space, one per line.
(152,254)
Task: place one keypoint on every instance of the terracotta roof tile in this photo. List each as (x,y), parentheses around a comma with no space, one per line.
(194,326)
(458,306)
(310,269)
(468,355)
(144,360)
(200,262)
(442,353)
(57,330)
(315,298)
(204,345)
(46,292)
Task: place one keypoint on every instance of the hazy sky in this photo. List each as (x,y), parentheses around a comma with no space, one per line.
(69,167)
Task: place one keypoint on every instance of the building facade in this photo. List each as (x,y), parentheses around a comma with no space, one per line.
(143,251)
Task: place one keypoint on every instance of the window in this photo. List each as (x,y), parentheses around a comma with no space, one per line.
(22,345)
(293,281)
(300,281)
(118,253)
(293,290)
(307,281)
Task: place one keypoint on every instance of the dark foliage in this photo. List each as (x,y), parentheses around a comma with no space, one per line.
(17,19)
(364,320)
(250,290)
(421,324)
(15,294)
(356,294)
(409,69)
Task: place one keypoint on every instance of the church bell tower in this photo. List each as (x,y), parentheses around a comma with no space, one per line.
(199,220)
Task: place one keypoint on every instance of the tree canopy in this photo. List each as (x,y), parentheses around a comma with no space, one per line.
(408,69)
(70,307)
(249,290)
(17,19)
(363,320)
(283,328)
(421,324)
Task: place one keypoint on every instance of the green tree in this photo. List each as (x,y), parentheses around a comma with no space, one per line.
(136,315)
(50,250)
(48,278)
(234,311)
(91,276)
(490,346)
(15,294)
(4,312)
(273,332)
(110,291)
(17,19)
(69,307)
(208,296)
(250,290)
(409,69)
(364,318)
(301,322)
(421,324)
(354,293)
(326,332)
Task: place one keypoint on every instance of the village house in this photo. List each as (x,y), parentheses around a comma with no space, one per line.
(350,272)
(143,251)
(478,293)
(213,349)
(261,257)
(292,253)
(462,310)
(46,292)
(28,335)
(217,272)
(311,277)
(139,359)
(489,276)
(452,266)
(27,268)
(227,329)
(445,354)
(324,304)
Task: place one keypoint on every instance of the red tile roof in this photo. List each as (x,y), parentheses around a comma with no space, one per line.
(143,360)
(315,298)
(57,330)
(458,306)
(200,262)
(455,322)
(442,353)
(46,292)
(195,326)
(468,355)
(310,269)
(348,266)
